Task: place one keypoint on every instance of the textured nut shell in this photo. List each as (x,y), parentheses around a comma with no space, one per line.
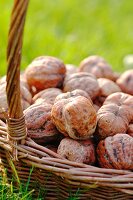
(74,93)
(26,95)
(23,81)
(130,130)
(45,72)
(119,98)
(77,151)
(112,119)
(125,81)
(39,124)
(122,99)
(26,98)
(107,87)
(84,81)
(70,69)
(97,66)
(3,100)
(116,152)
(47,95)
(96,107)
(75,117)
(2,123)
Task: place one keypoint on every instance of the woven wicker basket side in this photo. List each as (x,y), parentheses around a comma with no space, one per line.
(50,175)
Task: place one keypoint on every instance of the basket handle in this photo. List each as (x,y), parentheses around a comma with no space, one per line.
(16,122)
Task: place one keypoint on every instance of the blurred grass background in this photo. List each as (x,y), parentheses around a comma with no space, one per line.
(72,30)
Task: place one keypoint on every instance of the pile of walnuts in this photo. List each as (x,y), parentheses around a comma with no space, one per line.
(84,114)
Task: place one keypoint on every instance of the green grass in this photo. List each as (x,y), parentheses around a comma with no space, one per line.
(72,30)
(10,192)
(22,192)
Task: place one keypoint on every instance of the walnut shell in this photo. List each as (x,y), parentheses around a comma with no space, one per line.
(130,129)
(97,66)
(71,69)
(116,152)
(112,119)
(96,107)
(123,100)
(23,81)
(2,123)
(125,81)
(39,124)
(107,87)
(26,98)
(77,151)
(47,95)
(84,81)
(74,117)
(45,72)
(74,93)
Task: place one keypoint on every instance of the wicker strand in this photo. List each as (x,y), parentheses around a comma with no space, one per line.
(16,133)
(16,128)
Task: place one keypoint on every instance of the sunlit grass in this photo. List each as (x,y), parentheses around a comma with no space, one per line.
(72,30)
(12,192)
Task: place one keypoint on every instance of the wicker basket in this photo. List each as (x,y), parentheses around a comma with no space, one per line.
(56,178)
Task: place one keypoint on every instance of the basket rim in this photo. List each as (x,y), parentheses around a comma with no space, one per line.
(33,154)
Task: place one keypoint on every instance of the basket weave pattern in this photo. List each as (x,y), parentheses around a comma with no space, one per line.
(58,178)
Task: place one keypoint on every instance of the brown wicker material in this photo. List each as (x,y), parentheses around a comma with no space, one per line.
(52,176)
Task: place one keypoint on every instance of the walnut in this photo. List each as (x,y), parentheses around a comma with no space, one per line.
(2,123)
(47,95)
(26,98)
(122,100)
(107,87)
(97,66)
(115,114)
(77,151)
(125,81)
(112,119)
(84,81)
(39,124)
(130,129)
(116,152)
(96,107)
(74,93)
(71,69)
(74,117)
(45,72)
(23,81)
